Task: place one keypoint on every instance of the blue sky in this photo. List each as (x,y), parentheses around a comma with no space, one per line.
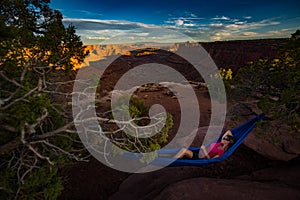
(143,21)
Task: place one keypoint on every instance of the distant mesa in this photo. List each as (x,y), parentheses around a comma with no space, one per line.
(100,52)
(226,54)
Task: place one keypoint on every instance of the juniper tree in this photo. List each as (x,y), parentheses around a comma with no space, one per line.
(36,50)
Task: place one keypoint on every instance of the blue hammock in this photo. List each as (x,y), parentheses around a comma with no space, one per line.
(240,133)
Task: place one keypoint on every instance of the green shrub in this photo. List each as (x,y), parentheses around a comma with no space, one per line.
(139,111)
(275,84)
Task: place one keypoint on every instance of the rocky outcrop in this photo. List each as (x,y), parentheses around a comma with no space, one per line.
(282,147)
(277,144)
(236,54)
(282,175)
(211,188)
(195,183)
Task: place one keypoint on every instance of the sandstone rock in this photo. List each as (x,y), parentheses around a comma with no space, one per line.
(278,144)
(284,175)
(210,188)
(267,148)
(188,183)
(291,144)
(148,185)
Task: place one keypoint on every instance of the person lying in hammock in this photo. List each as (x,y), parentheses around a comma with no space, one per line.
(214,150)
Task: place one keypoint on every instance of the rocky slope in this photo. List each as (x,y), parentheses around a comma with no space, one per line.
(235,54)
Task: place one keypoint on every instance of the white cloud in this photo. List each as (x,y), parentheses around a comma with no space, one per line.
(96,24)
(192,21)
(190,18)
(182,22)
(233,26)
(216,38)
(216,25)
(190,25)
(251,34)
(193,15)
(232,30)
(239,23)
(219,28)
(252,25)
(126,34)
(179,22)
(221,18)
(142,34)
(248,17)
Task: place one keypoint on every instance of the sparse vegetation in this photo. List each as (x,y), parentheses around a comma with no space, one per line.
(222,76)
(139,112)
(275,84)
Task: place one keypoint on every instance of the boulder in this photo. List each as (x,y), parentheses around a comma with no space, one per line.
(281,182)
(272,150)
(211,188)
(284,175)
(277,144)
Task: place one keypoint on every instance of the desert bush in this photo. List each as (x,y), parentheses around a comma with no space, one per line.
(139,113)
(275,84)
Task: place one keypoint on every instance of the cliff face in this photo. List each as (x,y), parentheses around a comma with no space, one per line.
(235,54)
(99,52)
(226,54)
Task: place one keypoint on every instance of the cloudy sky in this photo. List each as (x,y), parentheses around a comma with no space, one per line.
(162,21)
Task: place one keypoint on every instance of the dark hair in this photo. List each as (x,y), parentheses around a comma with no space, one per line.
(229,138)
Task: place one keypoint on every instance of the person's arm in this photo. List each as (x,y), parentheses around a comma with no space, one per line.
(205,151)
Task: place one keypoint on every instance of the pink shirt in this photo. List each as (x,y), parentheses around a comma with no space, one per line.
(213,150)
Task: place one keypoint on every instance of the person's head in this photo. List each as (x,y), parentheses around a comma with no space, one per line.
(228,140)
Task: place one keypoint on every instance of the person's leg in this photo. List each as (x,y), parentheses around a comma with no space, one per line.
(184,152)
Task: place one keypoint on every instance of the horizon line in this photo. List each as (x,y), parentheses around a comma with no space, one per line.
(172,43)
